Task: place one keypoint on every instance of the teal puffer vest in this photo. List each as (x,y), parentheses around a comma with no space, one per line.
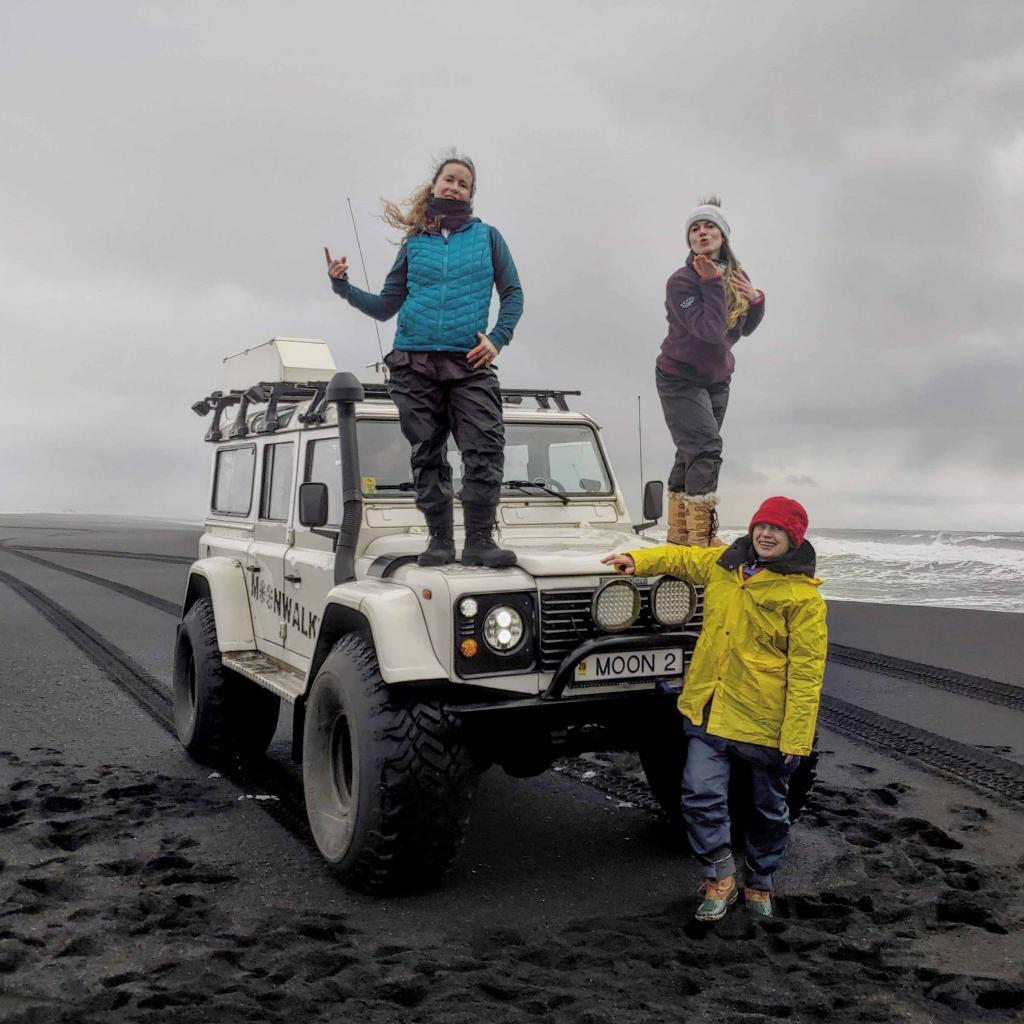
(449,283)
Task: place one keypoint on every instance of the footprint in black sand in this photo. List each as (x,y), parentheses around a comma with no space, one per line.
(970,818)
(69,835)
(927,833)
(53,885)
(12,812)
(889,794)
(867,835)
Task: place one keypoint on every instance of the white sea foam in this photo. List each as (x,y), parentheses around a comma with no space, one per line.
(954,570)
(952,553)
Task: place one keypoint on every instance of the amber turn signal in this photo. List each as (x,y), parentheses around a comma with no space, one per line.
(468,648)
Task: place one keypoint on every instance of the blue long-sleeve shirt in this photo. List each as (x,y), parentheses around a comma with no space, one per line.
(393,294)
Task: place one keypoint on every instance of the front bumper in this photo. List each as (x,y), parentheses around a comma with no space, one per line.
(555,709)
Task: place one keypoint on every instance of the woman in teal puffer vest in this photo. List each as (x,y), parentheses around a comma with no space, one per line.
(441,374)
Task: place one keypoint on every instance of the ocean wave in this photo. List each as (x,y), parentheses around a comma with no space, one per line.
(964,570)
(939,552)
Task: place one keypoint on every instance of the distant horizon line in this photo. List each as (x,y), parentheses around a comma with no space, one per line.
(185,520)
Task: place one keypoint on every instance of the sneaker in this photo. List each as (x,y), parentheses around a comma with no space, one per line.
(718,898)
(759,902)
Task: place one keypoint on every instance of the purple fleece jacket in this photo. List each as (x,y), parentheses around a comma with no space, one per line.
(697,342)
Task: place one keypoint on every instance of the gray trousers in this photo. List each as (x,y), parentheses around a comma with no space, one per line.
(693,413)
(437,394)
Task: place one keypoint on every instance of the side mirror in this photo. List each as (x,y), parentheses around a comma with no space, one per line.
(654,499)
(313,504)
(654,503)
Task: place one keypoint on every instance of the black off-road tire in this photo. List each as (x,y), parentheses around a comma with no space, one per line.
(663,760)
(389,782)
(217,714)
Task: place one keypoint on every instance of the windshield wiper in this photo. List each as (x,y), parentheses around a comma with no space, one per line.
(523,484)
(405,485)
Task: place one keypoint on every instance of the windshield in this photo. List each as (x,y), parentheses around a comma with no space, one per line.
(564,457)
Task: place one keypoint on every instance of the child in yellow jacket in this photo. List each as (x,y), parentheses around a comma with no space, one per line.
(752,689)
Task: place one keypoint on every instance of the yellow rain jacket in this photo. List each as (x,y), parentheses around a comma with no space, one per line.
(761,653)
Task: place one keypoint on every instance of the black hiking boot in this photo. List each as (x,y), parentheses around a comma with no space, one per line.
(441,549)
(480,548)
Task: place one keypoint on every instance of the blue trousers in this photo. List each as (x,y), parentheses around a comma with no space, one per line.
(706,805)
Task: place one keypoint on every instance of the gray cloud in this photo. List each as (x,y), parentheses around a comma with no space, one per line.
(168,182)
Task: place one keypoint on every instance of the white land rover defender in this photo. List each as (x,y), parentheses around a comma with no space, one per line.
(406,682)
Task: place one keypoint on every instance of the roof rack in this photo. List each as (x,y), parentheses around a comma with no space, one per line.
(543,396)
(316,391)
(272,394)
(510,396)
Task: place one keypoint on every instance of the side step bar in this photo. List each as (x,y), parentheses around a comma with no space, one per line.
(286,682)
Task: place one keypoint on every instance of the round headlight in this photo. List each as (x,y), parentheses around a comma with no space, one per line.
(467,607)
(616,606)
(503,629)
(673,601)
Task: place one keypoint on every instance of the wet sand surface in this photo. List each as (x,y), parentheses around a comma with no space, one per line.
(139,885)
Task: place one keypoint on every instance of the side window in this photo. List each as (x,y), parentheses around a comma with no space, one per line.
(276,494)
(323,465)
(232,481)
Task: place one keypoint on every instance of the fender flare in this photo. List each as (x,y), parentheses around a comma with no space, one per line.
(222,580)
(391,613)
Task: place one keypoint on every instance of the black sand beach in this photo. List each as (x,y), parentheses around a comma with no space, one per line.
(138,885)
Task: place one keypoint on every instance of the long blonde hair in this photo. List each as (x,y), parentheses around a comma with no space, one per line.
(411,217)
(736,304)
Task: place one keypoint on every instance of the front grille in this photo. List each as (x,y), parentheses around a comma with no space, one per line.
(565,622)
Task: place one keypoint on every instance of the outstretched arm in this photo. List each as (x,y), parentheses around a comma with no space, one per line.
(381,307)
(689,563)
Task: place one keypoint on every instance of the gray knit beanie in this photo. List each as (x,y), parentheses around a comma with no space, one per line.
(712,211)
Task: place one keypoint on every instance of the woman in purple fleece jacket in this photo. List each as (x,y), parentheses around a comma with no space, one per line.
(710,304)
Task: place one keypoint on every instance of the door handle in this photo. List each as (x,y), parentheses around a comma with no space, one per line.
(254,568)
(294,579)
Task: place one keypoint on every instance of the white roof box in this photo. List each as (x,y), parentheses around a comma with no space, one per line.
(295,360)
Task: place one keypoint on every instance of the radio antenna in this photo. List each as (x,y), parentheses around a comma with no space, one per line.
(640,443)
(366,277)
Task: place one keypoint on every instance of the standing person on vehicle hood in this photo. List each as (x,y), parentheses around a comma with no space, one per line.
(710,303)
(441,368)
(751,692)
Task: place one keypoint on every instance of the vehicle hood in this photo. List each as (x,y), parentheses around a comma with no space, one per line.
(567,553)
(559,551)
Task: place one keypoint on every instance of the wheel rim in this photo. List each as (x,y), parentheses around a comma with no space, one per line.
(190,668)
(186,688)
(331,773)
(340,748)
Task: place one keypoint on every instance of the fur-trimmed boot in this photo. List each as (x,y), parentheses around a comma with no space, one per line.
(441,548)
(480,548)
(677,532)
(702,520)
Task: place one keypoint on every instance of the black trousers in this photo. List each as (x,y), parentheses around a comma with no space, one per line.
(693,414)
(437,394)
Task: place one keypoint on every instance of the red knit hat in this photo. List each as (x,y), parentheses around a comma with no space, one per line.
(785,513)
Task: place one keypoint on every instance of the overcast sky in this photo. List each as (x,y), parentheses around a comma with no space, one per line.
(172,170)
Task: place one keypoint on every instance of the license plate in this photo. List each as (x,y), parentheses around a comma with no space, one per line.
(596,668)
